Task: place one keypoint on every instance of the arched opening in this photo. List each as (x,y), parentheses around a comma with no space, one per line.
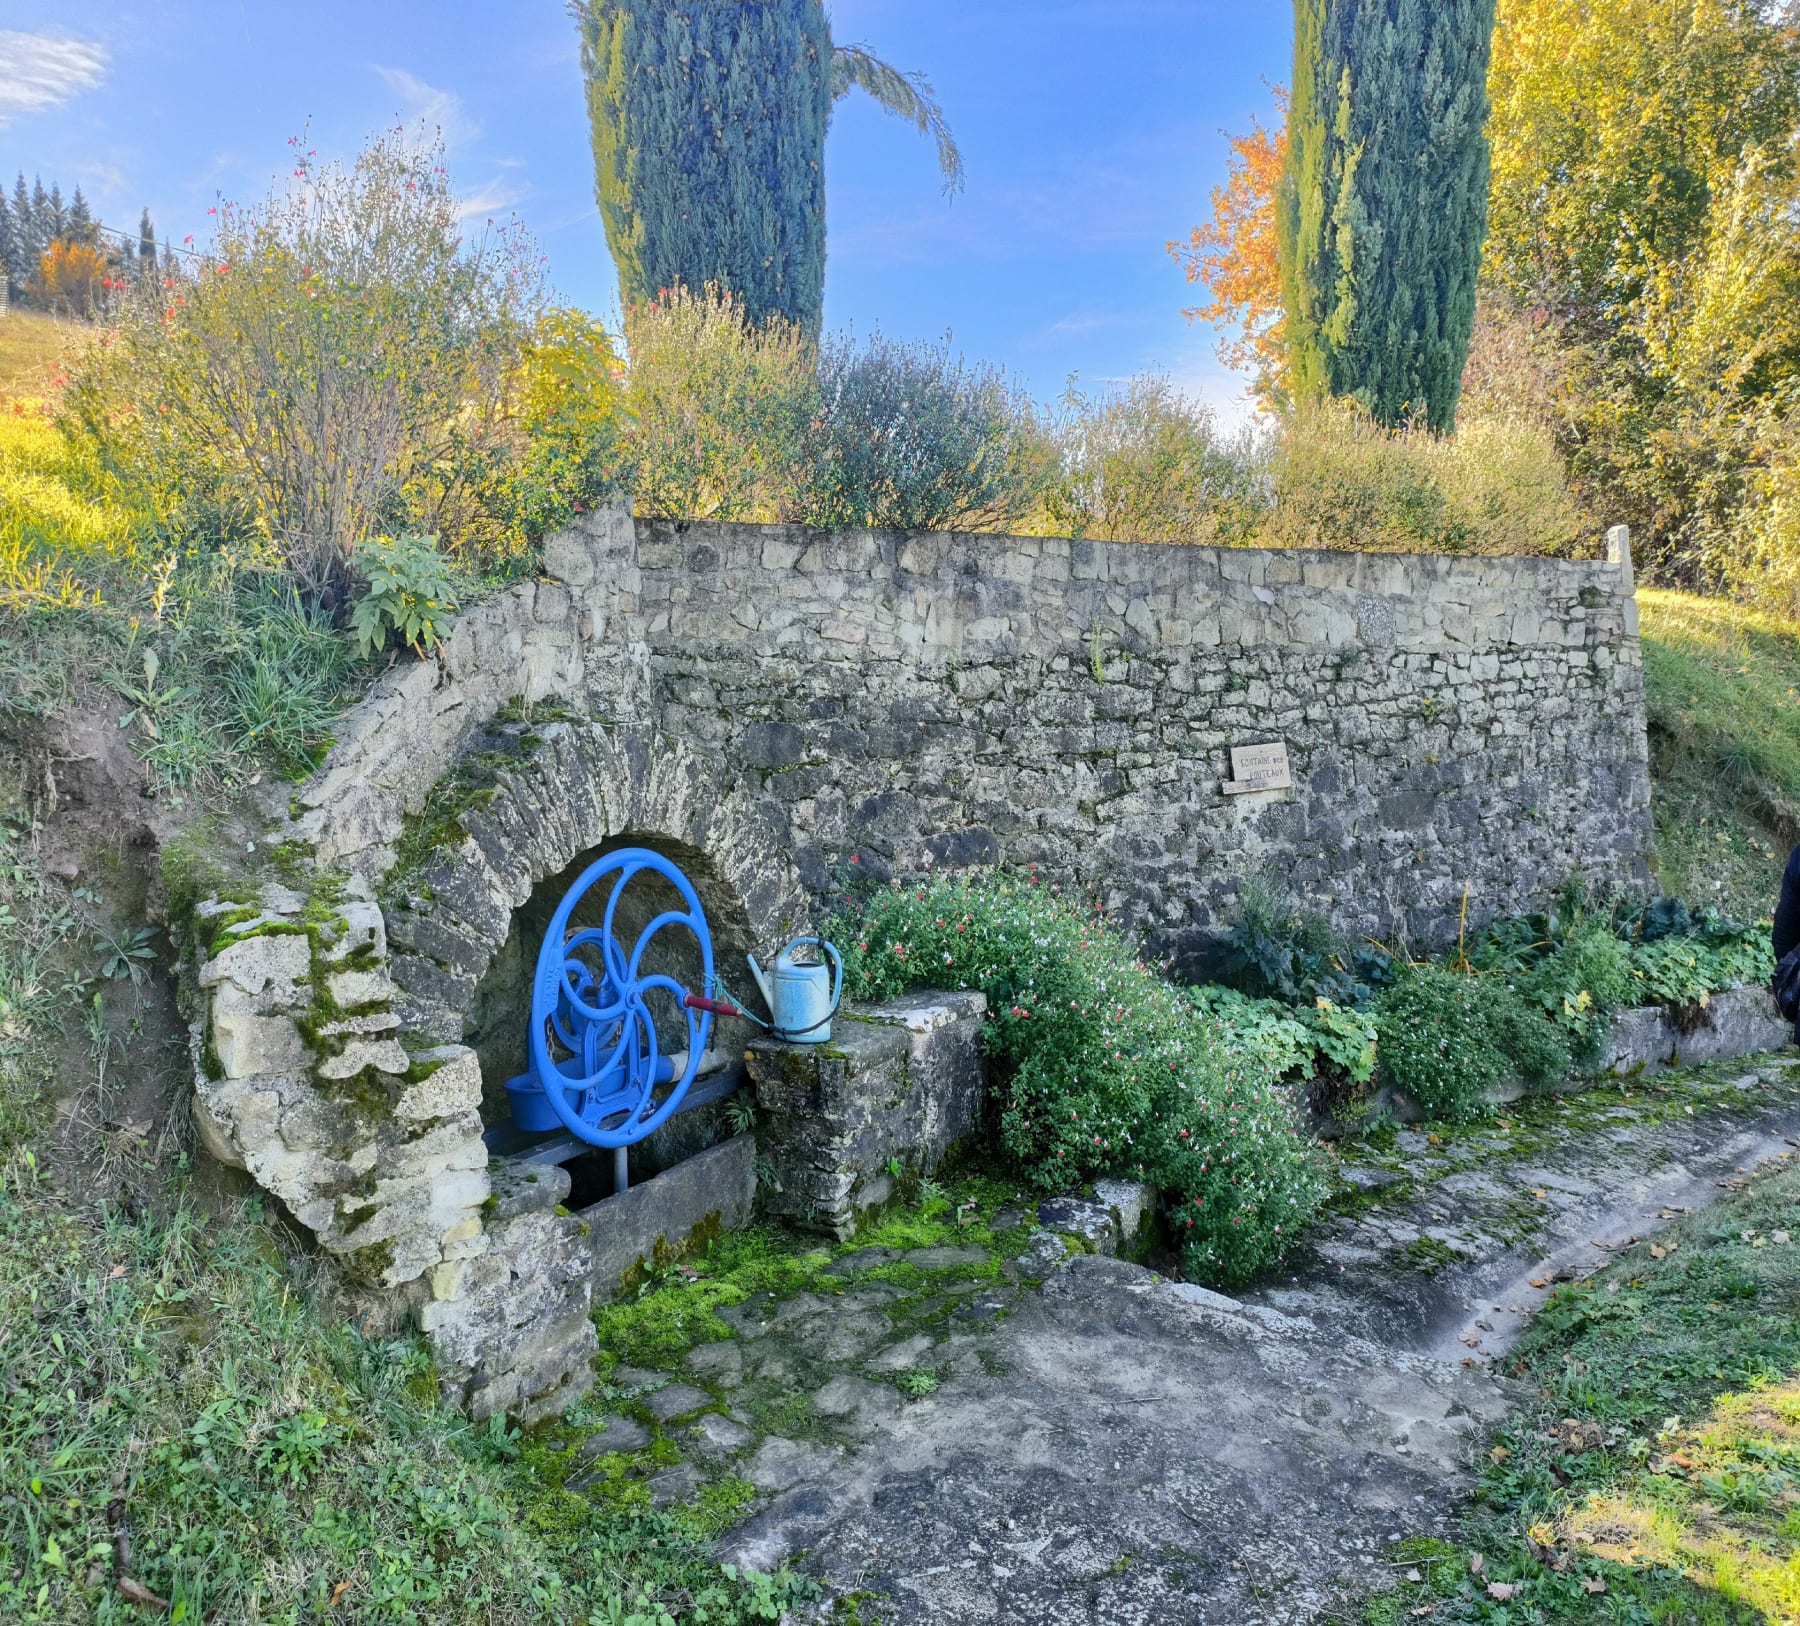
(498,1019)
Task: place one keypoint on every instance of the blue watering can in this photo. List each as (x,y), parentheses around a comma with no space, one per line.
(802,994)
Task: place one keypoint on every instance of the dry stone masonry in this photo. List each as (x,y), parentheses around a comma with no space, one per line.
(764,704)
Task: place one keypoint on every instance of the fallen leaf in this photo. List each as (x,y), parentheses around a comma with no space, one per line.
(1473,1343)
(1658,1253)
(1476,1563)
(136,1592)
(1593,1584)
(1503,1591)
(1538,1283)
(1541,1196)
(337,1592)
(1414,1575)
(1780,1236)
(1499,1453)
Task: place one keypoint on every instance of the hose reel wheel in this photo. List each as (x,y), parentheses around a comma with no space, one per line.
(593,1048)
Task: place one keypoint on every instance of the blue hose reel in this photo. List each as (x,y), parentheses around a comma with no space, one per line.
(595,1063)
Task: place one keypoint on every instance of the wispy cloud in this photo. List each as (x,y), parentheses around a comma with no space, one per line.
(490,200)
(431,109)
(41,71)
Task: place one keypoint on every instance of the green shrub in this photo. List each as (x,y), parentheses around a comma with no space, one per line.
(1144,463)
(909,436)
(1275,951)
(1105,1068)
(1292,1044)
(1684,972)
(1438,1040)
(1539,1053)
(406,590)
(1265,1029)
(1579,984)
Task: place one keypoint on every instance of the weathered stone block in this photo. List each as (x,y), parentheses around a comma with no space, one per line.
(902,1082)
(452,1088)
(258,964)
(248,1045)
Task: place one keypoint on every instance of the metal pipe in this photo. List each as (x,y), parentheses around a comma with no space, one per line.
(621,1171)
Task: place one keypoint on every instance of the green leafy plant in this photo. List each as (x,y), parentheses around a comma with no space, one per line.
(151,699)
(1276,951)
(1103,1067)
(408,591)
(916,1385)
(1438,1042)
(128,954)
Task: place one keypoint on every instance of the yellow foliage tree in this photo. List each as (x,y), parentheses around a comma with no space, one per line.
(69,274)
(1234,255)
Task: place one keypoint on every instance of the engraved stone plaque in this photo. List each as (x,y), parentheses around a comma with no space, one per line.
(1259,767)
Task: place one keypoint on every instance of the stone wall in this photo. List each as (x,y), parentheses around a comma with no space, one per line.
(765,703)
(1452,724)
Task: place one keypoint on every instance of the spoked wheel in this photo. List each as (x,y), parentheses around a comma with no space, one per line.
(594,1046)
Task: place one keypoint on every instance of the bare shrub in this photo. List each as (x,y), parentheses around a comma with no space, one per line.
(337,365)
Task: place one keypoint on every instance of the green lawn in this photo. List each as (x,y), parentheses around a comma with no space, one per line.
(1722,690)
(1655,1474)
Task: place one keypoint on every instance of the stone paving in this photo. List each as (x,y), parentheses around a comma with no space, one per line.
(942,1444)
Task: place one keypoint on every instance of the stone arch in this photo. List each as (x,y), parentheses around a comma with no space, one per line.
(582,787)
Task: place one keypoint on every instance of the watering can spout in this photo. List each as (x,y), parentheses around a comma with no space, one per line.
(762,982)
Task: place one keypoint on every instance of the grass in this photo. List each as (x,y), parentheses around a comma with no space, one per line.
(1722,692)
(1654,1475)
(192,1427)
(176,1379)
(31,346)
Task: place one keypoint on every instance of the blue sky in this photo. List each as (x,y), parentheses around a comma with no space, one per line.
(1092,131)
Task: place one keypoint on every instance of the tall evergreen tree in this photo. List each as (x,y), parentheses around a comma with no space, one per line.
(21,262)
(1383,206)
(82,227)
(58,215)
(146,243)
(42,221)
(709,121)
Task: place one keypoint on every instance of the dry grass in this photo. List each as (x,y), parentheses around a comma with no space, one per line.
(31,344)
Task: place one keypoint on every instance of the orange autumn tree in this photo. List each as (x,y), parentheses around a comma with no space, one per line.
(1234,256)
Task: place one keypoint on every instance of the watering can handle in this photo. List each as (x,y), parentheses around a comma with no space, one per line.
(837,987)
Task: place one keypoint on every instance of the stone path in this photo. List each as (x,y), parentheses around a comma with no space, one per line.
(1114,1448)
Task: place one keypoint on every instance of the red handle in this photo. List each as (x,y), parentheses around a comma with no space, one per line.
(719,1007)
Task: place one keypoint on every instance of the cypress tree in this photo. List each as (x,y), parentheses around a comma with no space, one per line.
(709,122)
(1383,207)
(146,243)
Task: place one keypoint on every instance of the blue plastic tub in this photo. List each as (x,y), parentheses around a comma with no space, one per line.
(531,1109)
